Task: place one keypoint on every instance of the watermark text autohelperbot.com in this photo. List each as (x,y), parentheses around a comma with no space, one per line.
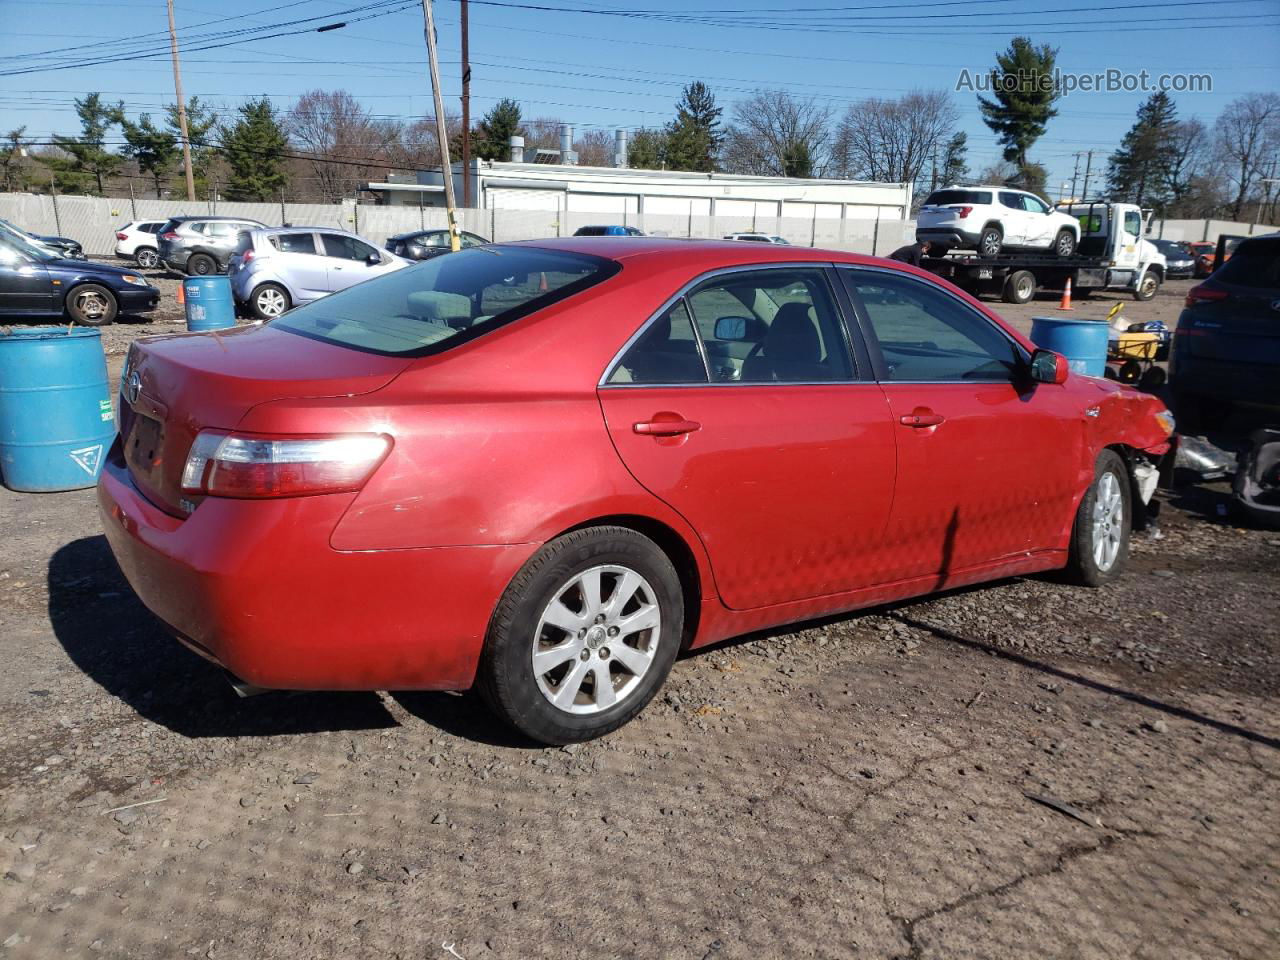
(1111,80)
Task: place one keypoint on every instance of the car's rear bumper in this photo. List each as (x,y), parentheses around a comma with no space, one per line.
(1255,384)
(255,586)
(951,236)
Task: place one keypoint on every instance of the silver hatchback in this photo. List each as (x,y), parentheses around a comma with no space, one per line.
(275,269)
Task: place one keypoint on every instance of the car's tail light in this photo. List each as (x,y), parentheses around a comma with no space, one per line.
(122,236)
(1202,294)
(246,256)
(962,212)
(259,467)
(170,235)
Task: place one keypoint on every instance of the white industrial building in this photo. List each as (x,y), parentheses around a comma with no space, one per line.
(576,194)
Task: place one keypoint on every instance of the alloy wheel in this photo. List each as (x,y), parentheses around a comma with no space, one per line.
(596,639)
(270,303)
(1108,521)
(147,259)
(91,305)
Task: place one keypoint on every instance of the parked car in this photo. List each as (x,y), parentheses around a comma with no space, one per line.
(137,239)
(545,468)
(36,283)
(199,246)
(61,247)
(1180,262)
(608,231)
(274,269)
(425,244)
(1203,251)
(1226,348)
(757,238)
(990,219)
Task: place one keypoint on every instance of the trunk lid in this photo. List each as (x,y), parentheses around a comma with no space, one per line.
(175,386)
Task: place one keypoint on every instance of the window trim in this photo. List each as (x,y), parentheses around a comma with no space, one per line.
(878,365)
(838,301)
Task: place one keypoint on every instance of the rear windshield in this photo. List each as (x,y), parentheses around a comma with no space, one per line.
(944,197)
(1254,264)
(244,242)
(439,303)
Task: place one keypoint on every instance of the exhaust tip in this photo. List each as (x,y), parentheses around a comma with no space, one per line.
(243,688)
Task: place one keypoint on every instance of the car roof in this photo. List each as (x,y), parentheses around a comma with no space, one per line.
(303,228)
(703,253)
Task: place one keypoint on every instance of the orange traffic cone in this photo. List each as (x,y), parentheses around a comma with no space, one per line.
(1066,296)
(182,293)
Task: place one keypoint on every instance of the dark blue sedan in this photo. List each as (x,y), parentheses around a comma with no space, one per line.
(35,284)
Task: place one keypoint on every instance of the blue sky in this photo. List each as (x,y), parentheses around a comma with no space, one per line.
(594,68)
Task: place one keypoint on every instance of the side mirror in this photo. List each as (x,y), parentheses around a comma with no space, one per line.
(731,328)
(372,260)
(1049,367)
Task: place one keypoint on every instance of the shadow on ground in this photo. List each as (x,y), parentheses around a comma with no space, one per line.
(115,640)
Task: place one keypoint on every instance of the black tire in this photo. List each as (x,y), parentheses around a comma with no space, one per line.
(1083,565)
(938,250)
(990,240)
(1152,380)
(1019,287)
(1083,293)
(147,258)
(1130,371)
(507,678)
(1147,287)
(269,301)
(201,265)
(92,305)
(1064,244)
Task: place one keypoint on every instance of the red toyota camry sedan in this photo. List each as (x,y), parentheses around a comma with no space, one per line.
(545,468)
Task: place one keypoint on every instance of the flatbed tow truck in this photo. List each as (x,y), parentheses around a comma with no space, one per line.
(1111,255)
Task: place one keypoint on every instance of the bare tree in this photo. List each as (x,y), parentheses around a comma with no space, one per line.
(541,133)
(895,141)
(595,148)
(343,143)
(1184,166)
(419,147)
(774,133)
(1247,138)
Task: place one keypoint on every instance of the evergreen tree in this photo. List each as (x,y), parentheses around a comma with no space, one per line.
(955,164)
(694,137)
(201,124)
(492,138)
(153,149)
(12,156)
(88,157)
(647,149)
(254,148)
(797,159)
(1139,171)
(1023,91)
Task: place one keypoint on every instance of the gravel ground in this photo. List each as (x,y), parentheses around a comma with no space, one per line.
(1024,769)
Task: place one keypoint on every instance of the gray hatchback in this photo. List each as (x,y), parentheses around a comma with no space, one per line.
(200,245)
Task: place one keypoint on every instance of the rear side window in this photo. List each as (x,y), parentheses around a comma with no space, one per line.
(294,242)
(945,197)
(1255,264)
(1012,200)
(440,303)
(667,352)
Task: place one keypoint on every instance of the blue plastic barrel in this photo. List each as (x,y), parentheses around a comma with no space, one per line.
(210,305)
(56,421)
(1082,342)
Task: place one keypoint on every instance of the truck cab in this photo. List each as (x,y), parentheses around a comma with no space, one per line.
(1114,235)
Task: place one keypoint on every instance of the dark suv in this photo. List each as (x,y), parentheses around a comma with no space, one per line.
(200,245)
(1226,350)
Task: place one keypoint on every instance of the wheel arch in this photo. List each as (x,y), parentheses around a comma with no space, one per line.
(1129,455)
(677,550)
(87,281)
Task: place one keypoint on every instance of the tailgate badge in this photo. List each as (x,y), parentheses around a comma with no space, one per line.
(133,387)
(1275,304)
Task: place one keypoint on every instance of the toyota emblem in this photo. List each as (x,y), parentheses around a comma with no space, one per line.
(133,388)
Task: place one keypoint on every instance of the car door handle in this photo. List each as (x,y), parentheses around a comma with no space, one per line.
(666,428)
(921,418)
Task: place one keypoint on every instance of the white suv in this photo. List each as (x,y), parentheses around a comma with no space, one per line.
(137,239)
(992,219)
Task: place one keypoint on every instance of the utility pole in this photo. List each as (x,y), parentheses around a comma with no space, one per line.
(1075,176)
(1088,165)
(442,130)
(466,108)
(182,106)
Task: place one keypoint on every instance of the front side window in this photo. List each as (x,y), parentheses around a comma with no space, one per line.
(667,352)
(1133,223)
(346,248)
(1034,204)
(768,326)
(925,334)
(439,303)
